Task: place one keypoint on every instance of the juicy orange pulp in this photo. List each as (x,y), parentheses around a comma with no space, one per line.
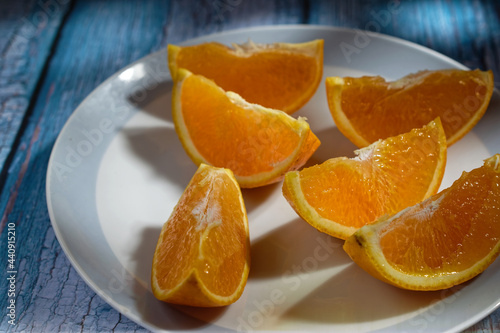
(466,216)
(203,253)
(341,195)
(443,241)
(258,144)
(251,137)
(279,76)
(369,108)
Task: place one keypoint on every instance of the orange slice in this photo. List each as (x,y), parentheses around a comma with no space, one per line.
(280,76)
(444,241)
(341,195)
(220,128)
(203,253)
(369,108)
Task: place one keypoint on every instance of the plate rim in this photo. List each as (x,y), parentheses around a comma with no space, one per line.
(311,27)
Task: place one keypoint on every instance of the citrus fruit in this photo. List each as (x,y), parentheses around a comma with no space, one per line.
(443,241)
(281,76)
(221,129)
(202,256)
(366,109)
(343,194)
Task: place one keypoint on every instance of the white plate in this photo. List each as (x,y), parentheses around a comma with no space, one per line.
(117,170)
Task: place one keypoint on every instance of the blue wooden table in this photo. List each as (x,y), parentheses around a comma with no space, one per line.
(55,52)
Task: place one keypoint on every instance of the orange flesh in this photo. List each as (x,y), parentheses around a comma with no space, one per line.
(246,140)
(450,233)
(215,222)
(272,78)
(378,109)
(384,181)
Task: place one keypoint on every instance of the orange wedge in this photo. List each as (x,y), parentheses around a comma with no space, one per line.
(203,253)
(280,76)
(367,109)
(341,195)
(221,129)
(444,241)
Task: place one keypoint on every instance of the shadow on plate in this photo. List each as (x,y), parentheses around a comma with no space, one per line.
(487,128)
(293,249)
(333,144)
(155,99)
(353,296)
(255,197)
(161,149)
(160,314)
(299,256)
(143,255)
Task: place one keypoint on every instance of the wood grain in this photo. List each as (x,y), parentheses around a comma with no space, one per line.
(467,31)
(51,296)
(48,68)
(28,33)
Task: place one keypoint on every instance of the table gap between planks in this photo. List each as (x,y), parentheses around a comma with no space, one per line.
(55,52)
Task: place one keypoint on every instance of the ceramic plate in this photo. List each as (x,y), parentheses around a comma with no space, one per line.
(117,169)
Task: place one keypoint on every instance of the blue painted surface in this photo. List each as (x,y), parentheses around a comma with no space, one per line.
(55,52)
(28,31)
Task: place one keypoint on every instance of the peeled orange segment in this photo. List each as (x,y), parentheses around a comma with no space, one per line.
(203,253)
(444,241)
(341,195)
(220,128)
(367,109)
(280,76)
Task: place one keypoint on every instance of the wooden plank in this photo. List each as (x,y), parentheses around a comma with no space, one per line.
(208,17)
(467,31)
(93,44)
(27,29)
(99,38)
